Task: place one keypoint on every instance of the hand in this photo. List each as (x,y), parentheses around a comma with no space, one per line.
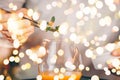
(116,52)
(15,27)
(114,64)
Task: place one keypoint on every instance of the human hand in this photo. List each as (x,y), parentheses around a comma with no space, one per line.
(15,27)
(114,64)
(115,53)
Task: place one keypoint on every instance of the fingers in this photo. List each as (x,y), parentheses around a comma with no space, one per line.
(14,25)
(7,35)
(23,38)
(23,31)
(116,52)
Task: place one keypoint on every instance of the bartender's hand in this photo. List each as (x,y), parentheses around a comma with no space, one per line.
(14,26)
(115,53)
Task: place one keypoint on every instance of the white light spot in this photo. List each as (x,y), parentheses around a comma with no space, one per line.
(99,4)
(100,50)
(73,37)
(1,27)
(2,77)
(48,7)
(79,14)
(81,67)
(95,77)
(115,29)
(89,53)
(63,28)
(100,66)
(35,16)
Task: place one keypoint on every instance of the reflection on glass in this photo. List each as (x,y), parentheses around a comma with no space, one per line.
(60,62)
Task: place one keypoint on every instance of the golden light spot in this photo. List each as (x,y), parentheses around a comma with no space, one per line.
(21,54)
(56,70)
(56,77)
(8,78)
(28,65)
(87,69)
(42,51)
(23,67)
(17,59)
(81,67)
(62,70)
(73,76)
(16,43)
(11,5)
(39,77)
(113,70)
(30,12)
(118,72)
(61,76)
(60,52)
(6,62)
(2,77)
(15,52)
(95,77)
